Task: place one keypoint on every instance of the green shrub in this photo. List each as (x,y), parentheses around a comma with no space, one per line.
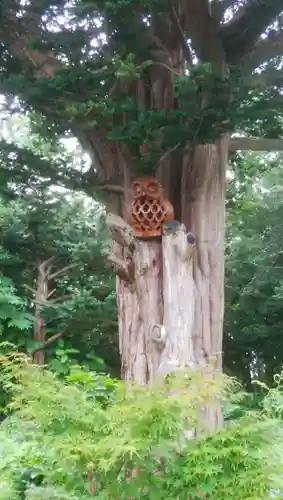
(61,442)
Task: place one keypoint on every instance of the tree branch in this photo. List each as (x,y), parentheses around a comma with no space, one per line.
(120,230)
(218,8)
(45,266)
(244,30)
(203,28)
(62,271)
(264,50)
(112,188)
(51,293)
(32,290)
(49,341)
(62,298)
(50,303)
(253,144)
(266,79)
(182,35)
(35,10)
(18,33)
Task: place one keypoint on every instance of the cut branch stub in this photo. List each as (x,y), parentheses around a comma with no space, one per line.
(121,255)
(124,267)
(158,333)
(121,231)
(182,242)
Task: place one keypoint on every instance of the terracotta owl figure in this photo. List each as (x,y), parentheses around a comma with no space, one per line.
(149,209)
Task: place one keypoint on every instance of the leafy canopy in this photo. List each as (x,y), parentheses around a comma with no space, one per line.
(137,80)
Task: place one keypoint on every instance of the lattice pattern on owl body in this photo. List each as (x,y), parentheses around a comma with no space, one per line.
(149,209)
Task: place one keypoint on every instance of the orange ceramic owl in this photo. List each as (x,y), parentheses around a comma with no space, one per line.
(148,210)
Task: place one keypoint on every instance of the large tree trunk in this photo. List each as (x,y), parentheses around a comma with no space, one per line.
(203,212)
(171,309)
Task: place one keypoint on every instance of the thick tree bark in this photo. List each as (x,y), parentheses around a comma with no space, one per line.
(138,266)
(140,308)
(171,307)
(203,212)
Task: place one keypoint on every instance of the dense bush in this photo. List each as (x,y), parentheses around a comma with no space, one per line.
(87,437)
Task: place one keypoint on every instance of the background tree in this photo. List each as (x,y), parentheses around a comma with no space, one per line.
(253,317)
(153,87)
(43,224)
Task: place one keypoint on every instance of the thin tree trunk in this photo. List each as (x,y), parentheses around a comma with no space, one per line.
(45,275)
(41,298)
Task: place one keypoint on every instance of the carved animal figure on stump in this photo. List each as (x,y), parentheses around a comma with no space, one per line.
(148,209)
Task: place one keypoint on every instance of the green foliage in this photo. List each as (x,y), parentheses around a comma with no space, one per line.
(253,345)
(41,219)
(100,388)
(63,441)
(62,361)
(90,320)
(209,105)
(15,322)
(13,308)
(111,56)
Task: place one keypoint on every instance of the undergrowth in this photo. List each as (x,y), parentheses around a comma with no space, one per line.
(65,440)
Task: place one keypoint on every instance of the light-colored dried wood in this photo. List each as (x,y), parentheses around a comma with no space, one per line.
(255,144)
(178,299)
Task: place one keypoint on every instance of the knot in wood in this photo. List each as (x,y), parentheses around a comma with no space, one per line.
(158,334)
(191,239)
